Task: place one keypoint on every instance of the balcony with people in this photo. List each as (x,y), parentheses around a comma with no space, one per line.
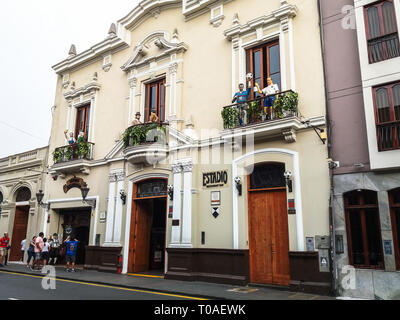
(147,142)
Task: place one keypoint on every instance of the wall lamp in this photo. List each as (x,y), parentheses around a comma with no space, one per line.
(320,132)
(170,192)
(85,191)
(288,179)
(39,198)
(122,194)
(238,183)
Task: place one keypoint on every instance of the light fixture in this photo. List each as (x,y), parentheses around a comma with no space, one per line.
(288,179)
(320,132)
(123,196)
(85,191)
(39,198)
(170,192)
(238,183)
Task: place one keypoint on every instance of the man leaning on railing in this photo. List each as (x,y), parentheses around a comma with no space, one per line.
(241,97)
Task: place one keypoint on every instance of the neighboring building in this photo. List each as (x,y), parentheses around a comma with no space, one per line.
(21,177)
(195,195)
(362,64)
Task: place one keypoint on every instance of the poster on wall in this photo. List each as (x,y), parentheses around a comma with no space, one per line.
(215,198)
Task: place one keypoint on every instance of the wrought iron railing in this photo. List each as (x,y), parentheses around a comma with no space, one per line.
(76,151)
(388,136)
(146,133)
(271,107)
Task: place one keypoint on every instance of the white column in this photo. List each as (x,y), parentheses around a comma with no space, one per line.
(176,216)
(132,87)
(110,212)
(291,57)
(118,210)
(187,205)
(46,216)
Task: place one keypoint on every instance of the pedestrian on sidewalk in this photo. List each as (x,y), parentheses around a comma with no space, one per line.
(4,244)
(38,251)
(23,242)
(31,252)
(45,252)
(71,252)
(54,249)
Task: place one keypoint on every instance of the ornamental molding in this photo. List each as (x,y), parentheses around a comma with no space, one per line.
(154,47)
(281,15)
(116,175)
(89,88)
(289,135)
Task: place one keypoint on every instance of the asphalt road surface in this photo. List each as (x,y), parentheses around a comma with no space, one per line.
(15,286)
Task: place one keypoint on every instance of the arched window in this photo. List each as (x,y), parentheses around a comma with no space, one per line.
(268,175)
(394,200)
(23,194)
(152,188)
(363,229)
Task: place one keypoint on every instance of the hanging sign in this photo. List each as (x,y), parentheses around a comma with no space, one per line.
(215,179)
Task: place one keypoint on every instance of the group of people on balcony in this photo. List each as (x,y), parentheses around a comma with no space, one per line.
(71,139)
(136,121)
(268,92)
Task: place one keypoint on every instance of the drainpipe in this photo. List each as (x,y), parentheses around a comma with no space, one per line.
(329,131)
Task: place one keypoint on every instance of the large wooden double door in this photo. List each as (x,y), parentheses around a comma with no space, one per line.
(19,232)
(268,237)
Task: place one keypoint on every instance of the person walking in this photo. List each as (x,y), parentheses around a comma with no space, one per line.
(38,251)
(54,249)
(45,252)
(71,252)
(23,242)
(31,252)
(4,245)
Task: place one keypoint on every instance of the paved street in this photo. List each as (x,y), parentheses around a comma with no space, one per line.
(29,287)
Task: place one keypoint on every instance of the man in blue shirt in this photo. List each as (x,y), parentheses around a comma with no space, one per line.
(71,252)
(241,97)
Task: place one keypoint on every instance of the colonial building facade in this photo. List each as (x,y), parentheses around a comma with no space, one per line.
(362,61)
(21,177)
(197,188)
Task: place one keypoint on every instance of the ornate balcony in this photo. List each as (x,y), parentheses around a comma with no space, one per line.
(73,158)
(146,143)
(279,120)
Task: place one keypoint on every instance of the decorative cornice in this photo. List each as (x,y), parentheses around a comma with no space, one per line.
(91,87)
(285,12)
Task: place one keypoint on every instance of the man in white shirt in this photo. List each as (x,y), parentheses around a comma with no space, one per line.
(23,249)
(269,92)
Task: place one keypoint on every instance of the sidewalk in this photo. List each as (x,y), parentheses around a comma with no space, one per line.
(197,289)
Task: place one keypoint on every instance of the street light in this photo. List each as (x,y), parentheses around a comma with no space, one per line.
(85,191)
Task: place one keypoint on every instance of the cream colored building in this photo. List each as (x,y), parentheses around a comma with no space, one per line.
(21,177)
(156,205)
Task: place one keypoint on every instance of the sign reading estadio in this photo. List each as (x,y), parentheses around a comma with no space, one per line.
(215,179)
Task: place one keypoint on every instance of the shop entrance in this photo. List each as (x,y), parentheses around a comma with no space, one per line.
(148,227)
(19,231)
(268,225)
(77,223)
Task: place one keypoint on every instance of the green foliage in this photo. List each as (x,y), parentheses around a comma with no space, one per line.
(286,103)
(144,133)
(230,117)
(83,149)
(58,154)
(254,112)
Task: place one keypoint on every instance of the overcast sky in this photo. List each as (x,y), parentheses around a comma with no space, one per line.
(36,35)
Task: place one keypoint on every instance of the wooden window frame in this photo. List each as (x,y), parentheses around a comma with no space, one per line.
(379,5)
(86,110)
(159,98)
(393,121)
(362,207)
(250,63)
(395,232)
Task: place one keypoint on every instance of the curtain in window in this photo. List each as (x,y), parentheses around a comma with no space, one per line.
(382,101)
(388,18)
(396,101)
(373,22)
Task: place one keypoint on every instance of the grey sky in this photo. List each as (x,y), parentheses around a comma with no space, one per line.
(36,35)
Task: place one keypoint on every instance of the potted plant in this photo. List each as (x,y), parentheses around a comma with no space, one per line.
(286,104)
(230,117)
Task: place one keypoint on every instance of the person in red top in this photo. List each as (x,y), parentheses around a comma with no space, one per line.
(4,244)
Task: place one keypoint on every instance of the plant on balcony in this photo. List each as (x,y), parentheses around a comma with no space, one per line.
(254,112)
(83,150)
(58,155)
(68,153)
(230,117)
(140,134)
(286,104)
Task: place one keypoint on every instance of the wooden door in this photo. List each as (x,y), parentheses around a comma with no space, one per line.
(19,232)
(143,222)
(269,239)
